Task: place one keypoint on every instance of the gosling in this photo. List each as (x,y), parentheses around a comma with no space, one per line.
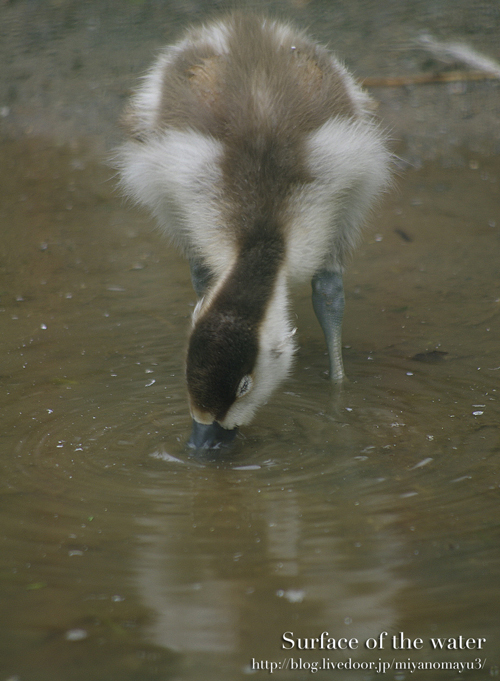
(258,155)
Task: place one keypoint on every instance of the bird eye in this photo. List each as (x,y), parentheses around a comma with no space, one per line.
(245,386)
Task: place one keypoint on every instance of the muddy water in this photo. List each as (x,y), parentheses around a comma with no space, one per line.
(367,510)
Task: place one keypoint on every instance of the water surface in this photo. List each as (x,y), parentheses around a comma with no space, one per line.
(373,508)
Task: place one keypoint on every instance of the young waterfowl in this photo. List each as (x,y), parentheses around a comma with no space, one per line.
(255,150)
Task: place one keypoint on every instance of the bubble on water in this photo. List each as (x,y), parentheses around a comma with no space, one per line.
(292,595)
(76,635)
(424,462)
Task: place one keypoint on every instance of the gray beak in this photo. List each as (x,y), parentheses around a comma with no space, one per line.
(211,436)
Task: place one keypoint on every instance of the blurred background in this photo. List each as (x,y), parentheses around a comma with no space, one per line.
(69,65)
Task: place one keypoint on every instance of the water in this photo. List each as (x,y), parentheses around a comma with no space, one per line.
(371,513)
(366,510)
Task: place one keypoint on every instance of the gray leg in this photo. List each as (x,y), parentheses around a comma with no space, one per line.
(200,276)
(328,303)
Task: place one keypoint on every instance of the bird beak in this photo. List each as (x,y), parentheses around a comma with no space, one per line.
(210,436)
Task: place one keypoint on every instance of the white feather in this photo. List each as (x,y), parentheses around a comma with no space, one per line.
(460,52)
(176,175)
(274,362)
(349,163)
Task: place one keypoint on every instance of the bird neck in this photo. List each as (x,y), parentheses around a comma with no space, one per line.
(242,321)
(246,291)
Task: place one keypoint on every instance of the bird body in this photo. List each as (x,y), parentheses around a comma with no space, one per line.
(257,153)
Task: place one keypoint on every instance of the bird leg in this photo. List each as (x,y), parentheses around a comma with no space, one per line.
(200,276)
(328,303)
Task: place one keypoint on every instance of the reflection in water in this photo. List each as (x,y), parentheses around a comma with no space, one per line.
(283,533)
(370,509)
(190,616)
(230,567)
